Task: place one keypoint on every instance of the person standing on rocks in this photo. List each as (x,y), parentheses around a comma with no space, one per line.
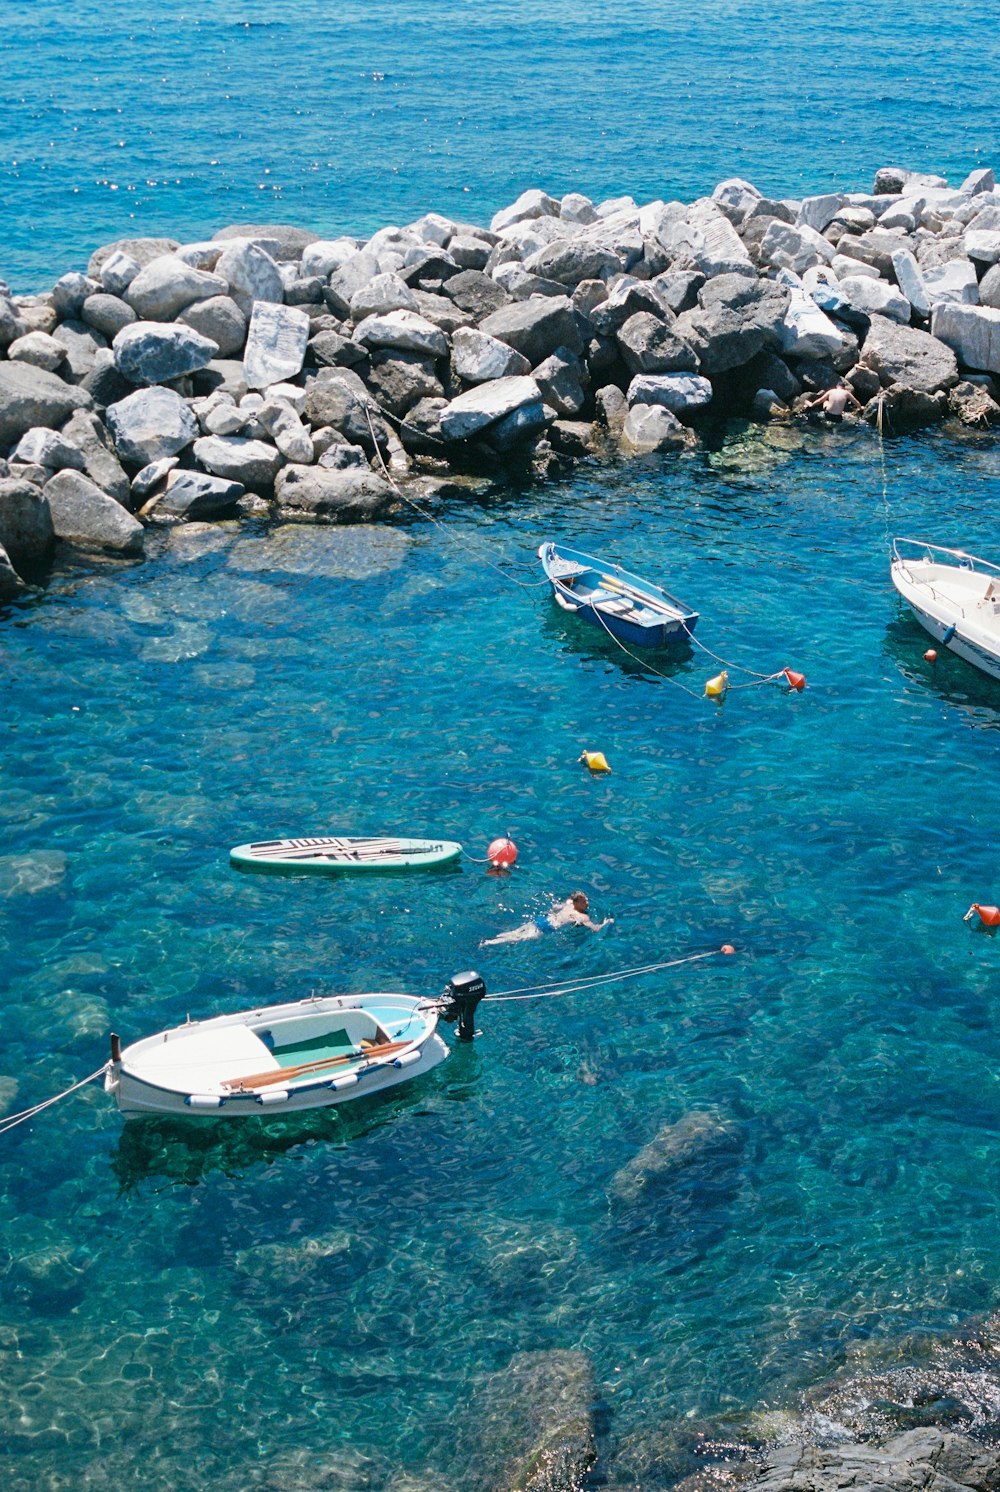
(833,403)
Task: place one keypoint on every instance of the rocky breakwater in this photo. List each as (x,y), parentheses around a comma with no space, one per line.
(271,370)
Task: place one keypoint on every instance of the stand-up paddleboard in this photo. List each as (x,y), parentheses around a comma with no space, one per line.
(324,854)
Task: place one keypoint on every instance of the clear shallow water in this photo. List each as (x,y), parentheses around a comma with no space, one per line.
(116,124)
(259,1305)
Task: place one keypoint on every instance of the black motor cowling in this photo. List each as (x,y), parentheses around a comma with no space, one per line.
(463,993)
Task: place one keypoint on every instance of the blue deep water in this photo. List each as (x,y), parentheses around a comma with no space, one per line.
(337,1301)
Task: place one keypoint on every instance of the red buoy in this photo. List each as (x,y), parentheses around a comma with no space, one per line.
(795,680)
(727,948)
(931,655)
(988,916)
(502,853)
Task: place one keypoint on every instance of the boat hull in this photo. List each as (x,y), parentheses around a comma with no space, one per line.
(633,611)
(142,1082)
(330,854)
(955,598)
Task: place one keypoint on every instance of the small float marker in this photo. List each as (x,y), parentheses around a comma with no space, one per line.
(988,916)
(595,760)
(795,680)
(931,655)
(727,948)
(716,688)
(502,853)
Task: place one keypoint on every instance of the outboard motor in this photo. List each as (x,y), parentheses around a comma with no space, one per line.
(463,993)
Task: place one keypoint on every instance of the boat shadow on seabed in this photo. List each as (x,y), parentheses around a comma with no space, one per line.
(187,1151)
(949,678)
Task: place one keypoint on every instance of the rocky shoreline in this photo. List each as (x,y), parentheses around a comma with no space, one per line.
(271,371)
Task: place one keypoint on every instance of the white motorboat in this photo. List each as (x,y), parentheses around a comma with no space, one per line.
(954,596)
(282,1059)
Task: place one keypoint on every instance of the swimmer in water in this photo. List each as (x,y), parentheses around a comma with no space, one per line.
(569,913)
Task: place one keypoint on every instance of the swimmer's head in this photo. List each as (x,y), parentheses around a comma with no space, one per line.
(579,901)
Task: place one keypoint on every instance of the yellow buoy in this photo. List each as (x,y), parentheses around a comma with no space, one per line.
(596,761)
(716,688)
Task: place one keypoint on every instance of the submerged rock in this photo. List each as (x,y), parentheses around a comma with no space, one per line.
(700,1136)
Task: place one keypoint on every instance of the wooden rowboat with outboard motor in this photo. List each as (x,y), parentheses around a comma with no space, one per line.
(631,609)
(283,1059)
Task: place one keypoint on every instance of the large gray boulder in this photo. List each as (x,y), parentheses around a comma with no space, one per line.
(906,355)
(324,493)
(736,319)
(82,345)
(194,495)
(531,204)
(26,531)
(141,251)
(681,393)
(240,458)
(973,334)
(150,352)
(341,401)
(11,584)
(921,1460)
(563,382)
(220,320)
(796,248)
(535,1429)
(649,429)
(284,241)
(85,516)
(401,379)
(381,294)
(91,438)
(167,286)
(807,332)
(277,338)
(478,357)
(476,293)
(150,424)
(649,345)
(40,349)
(250,273)
(951,283)
(106,314)
(875,298)
(701,1136)
(406,331)
(570,260)
(32,396)
(41,447)
(536,327)
(485,405)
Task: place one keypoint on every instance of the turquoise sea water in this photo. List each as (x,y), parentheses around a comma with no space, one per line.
(117,121)
(333,1302)
(215,1305)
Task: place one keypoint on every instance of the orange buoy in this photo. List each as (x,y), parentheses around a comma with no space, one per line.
(795,680)
(727,948)
(931,655)
(988,916)
(502,853)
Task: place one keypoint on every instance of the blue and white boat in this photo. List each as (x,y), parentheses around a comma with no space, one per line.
(954,596)
(631,609)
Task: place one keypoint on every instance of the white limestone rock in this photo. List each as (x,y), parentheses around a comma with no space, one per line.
(150,425)
(807,332)
(973,334)
(33,396)
(486,405)
(736,198)
(842,265)
(405,330)
(715,246)
(239,459)
(530,204)
(326,255)
(678,392)
(202,255)
(277,338)
(796,248)
(983,180)
(911,281)
(118,271)
(381,294)
(819,212)
(194,495)
(983,245)
(39,349)
(576,208)
(156,352)
(875,297)
(47,448)
(952,283)
(469,252)
(250,274)
(287,431)
(480,358)
(167,286)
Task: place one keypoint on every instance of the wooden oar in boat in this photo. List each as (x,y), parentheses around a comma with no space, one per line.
(287,1074)
(632,593)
